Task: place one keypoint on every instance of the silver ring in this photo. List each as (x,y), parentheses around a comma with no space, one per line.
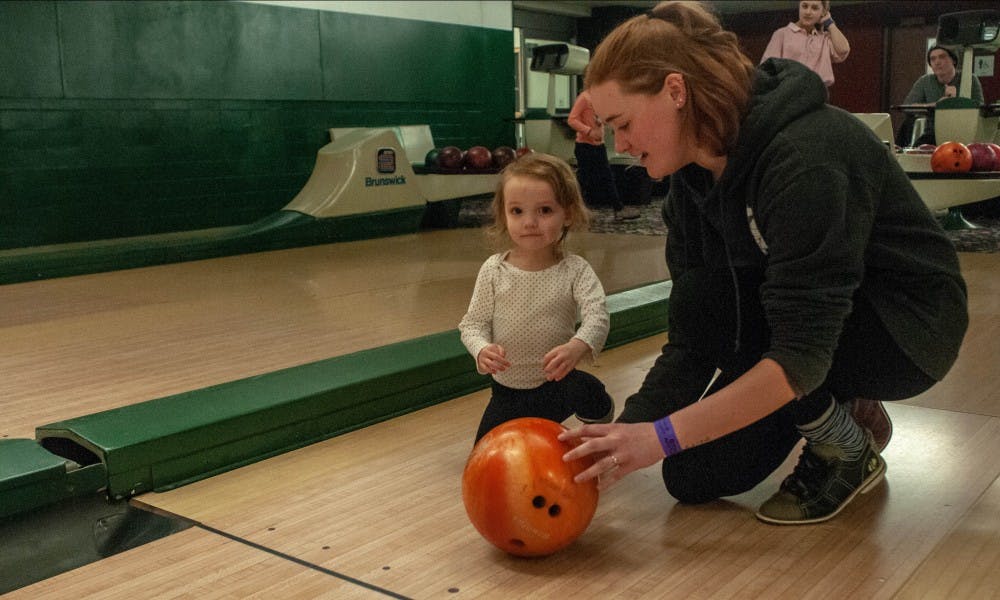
(614,459)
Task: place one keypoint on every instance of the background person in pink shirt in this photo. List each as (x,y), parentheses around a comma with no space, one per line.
(593,171)
(814,40)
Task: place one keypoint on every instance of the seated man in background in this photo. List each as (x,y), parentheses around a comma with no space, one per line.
(943,82)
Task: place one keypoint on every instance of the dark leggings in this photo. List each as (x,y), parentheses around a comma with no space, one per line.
(703,325)
(578,393)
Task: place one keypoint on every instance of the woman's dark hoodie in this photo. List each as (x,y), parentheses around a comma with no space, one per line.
(837,217)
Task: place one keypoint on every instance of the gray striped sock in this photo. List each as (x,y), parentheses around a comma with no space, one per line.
(837,428)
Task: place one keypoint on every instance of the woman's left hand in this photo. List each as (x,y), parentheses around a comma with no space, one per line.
(617,449)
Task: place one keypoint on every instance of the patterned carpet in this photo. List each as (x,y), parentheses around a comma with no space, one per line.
(475,213)
(984,239)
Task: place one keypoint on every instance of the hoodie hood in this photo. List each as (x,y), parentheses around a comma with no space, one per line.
(840,221)
(783,91)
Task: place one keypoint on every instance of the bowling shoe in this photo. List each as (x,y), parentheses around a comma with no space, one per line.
(822,484)
(871,415)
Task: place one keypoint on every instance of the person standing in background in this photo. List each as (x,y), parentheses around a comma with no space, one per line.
(814,40)
(593,170)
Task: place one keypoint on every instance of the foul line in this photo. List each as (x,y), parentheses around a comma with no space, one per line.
(304,563)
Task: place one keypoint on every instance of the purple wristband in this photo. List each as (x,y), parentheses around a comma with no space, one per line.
(668,439)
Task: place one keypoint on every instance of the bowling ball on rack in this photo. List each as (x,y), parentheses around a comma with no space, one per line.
(503,156)
(478,158)
(523,150)
(520,495)
(951,157)
(996,154)
(431,159)
(450,157)
(983,156)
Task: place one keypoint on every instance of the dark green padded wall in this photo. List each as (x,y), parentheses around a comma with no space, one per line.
(131,118)
(462,78)
(29,54)
(216,50)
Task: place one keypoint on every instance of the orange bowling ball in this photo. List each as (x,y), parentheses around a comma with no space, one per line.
(520,495)
(951,157)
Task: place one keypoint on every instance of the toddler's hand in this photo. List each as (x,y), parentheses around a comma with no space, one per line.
(559,361)
(492,359)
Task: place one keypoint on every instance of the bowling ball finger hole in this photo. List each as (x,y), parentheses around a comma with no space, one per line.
(517,543)
(539,502)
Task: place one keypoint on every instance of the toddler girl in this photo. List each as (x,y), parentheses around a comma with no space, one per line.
(521,323)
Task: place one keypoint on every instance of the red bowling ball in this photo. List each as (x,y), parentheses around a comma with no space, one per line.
(996,153)
(478,158)
(983,157)
(449,157)
(503,156)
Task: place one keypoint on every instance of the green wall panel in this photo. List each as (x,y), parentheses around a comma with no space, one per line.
(190,115)
(189,50)
(394,60)
(29,50)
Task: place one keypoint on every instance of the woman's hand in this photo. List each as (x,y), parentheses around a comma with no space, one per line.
(617,448)
(492,359)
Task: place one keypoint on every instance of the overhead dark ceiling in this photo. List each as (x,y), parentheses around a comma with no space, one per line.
(739,8)
(583,8)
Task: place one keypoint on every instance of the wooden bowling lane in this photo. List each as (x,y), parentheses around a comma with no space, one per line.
(196,563)
(966,562)
(79,345)
(383,505)
(972,385)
